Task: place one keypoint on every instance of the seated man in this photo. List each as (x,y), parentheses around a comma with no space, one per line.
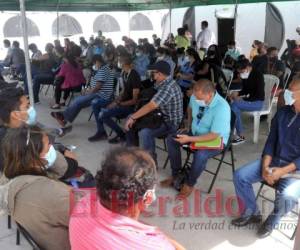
(16,112)
(122,106)
(168,99)
(281,156)
(232,51)
(99,96)
(251,98)
(125,187)
(209,118)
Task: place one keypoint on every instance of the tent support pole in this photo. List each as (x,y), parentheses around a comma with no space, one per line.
(26,50)
(57,18)
(235,16)
(129,22)
(170,11)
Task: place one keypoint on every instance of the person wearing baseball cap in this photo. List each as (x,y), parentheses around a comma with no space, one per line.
(169,100)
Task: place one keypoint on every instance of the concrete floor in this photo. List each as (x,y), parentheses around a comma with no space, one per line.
(202,231)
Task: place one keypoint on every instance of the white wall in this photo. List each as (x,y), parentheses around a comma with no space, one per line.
(250,25)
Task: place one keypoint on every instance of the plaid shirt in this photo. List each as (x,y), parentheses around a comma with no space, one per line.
(170,101)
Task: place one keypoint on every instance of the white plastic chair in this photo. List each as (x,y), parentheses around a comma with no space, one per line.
(229,77)
(271,83)
(286,76)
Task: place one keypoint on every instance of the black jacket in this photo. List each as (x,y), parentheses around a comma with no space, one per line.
(254,87)
(2,134)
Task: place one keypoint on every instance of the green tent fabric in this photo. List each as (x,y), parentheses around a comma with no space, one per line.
(112,5)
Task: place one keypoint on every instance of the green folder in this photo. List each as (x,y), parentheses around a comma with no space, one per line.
(214,144)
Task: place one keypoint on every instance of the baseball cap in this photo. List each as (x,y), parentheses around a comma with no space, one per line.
(162,67)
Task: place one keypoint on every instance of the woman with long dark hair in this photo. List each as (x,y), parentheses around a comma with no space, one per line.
(39,204)
(70,77)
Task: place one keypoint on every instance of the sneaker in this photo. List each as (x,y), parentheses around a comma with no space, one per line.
(65,130)
(97,137)
(117,139)
(238,140)
(59,117)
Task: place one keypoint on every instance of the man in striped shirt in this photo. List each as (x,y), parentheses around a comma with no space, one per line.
(99,96)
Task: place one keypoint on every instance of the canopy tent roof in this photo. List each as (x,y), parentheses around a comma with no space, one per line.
(113,5)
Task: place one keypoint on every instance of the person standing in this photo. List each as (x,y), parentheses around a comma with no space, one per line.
(206,37)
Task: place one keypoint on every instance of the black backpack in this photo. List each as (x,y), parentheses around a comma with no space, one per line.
(153,119)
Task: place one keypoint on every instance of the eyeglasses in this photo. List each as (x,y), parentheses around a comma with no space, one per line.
(200,114)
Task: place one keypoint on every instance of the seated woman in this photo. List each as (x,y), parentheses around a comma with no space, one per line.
(38,203)
(187,73)
(70,77)
(125,186)
(212,59)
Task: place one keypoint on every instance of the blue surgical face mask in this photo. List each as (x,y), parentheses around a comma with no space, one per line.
(201,103)
(50,157)
(288,97)
(31,120)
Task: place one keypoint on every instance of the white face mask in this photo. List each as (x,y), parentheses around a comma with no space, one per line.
(201,103)
(95,68)
(50,157)
(138,54)
(244,75)
(288,97)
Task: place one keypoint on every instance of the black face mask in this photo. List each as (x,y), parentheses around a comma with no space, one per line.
(274,59)
(211,53)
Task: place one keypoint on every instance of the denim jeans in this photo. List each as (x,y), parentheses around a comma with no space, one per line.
(199,161)
(81,102)
(287,192)
(106,117)
(241,105)
(42,78)
(148,135)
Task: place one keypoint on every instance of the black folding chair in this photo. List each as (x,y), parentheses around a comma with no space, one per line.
(22,231)
(220,158)
(261,195)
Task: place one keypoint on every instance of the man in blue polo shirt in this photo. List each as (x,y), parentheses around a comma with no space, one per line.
(209,118)
(281,156)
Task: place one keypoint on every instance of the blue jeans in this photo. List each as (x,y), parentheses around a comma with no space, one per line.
(287,192)
(199,161)
(106,117)
(42,78)
(148,135)
(241,105)
(81,102)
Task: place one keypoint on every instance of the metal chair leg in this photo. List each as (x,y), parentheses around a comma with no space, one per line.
(18,237)
(9,222)
(294,234)
(232,160)
(91,116)
(47,90)
(166,162)
(216,173)
(259,191)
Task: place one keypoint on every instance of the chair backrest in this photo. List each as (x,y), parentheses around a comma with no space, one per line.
(286,76)
(28,238)
(271,86)
(229,77)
